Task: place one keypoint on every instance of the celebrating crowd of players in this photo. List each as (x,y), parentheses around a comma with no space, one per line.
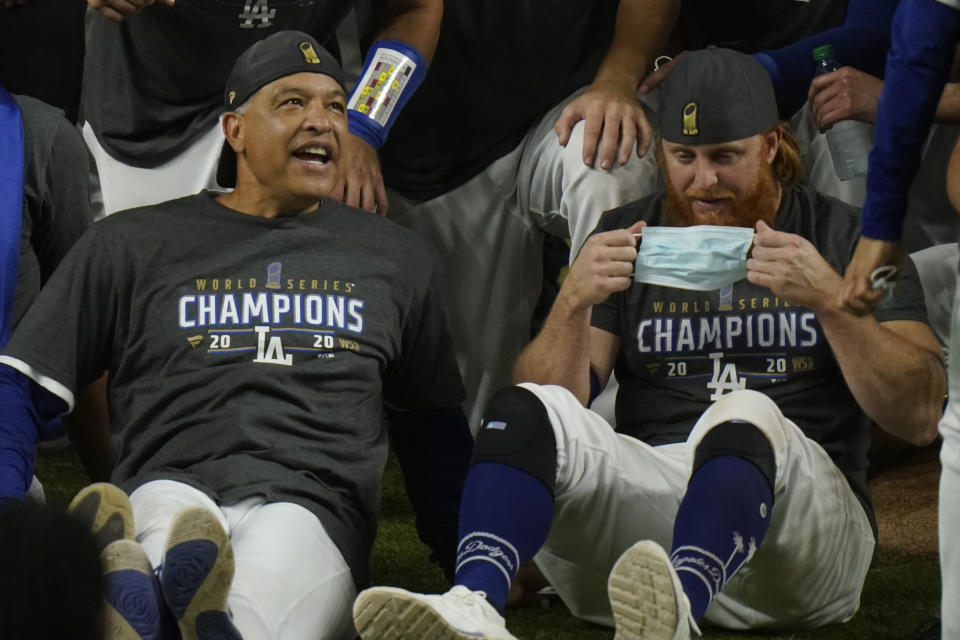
(296,269)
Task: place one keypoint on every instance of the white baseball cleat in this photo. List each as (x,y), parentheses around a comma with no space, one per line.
(647,599)
(388,613)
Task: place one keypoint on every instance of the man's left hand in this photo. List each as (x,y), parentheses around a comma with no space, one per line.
(792,268)
(361,182)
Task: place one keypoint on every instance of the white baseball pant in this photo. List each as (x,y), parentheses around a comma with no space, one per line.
(290,581)
(949,516)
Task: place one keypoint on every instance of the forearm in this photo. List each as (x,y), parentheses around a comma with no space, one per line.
(860,42)
(641,32)
(89,429)
(569,346)
(416,22)
(19,432)
(923,39)
(560,354)
(392,71)
(898,383)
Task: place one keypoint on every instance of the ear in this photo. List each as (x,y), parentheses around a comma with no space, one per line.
(772,142)
(233,130)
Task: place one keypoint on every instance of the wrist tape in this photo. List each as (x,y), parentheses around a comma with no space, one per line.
(391,74)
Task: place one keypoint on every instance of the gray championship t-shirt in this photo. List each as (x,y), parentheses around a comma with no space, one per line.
(249,356)
(681,350)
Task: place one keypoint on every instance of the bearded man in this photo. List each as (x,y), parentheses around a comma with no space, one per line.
(733,490)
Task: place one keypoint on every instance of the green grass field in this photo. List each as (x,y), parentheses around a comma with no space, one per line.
(902,589)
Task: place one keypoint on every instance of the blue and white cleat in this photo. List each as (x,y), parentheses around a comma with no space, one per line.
(387,613)
(196,574)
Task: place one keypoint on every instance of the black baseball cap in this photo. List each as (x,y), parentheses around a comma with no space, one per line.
(716,95)
(280,54)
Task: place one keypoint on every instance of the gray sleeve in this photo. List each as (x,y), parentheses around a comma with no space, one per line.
(937,268)
(56,197)
(28,273)
(606,315)
(907,302)
(65,340)
(64,212)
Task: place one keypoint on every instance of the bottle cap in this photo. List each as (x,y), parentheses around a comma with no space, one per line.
(822,52)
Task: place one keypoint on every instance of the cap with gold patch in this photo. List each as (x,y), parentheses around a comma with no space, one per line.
(278,55)
(716,95)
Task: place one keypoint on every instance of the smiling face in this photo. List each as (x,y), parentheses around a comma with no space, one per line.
(727,184)
(287,138)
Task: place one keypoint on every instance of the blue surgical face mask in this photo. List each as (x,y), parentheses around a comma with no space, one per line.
(702,257)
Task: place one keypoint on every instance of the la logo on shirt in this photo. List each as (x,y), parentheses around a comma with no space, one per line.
(256,14)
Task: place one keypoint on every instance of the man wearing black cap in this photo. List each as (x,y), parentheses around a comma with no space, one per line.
(253,340)
(153,74)
(734,487)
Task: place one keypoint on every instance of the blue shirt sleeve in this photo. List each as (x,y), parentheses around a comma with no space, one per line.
(923,39)
(861,41)
(25,409)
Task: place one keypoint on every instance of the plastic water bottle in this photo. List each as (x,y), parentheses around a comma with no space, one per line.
(850,141)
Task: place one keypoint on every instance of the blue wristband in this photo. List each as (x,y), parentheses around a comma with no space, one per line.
(391,74)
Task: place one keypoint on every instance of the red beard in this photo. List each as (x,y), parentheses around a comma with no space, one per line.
(760,203)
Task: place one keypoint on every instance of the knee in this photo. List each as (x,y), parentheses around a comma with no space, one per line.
(757,409)
(740,439)
(754,409)
(517,431)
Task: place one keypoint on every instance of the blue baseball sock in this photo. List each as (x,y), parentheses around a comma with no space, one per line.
(722,520)
(505,516)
